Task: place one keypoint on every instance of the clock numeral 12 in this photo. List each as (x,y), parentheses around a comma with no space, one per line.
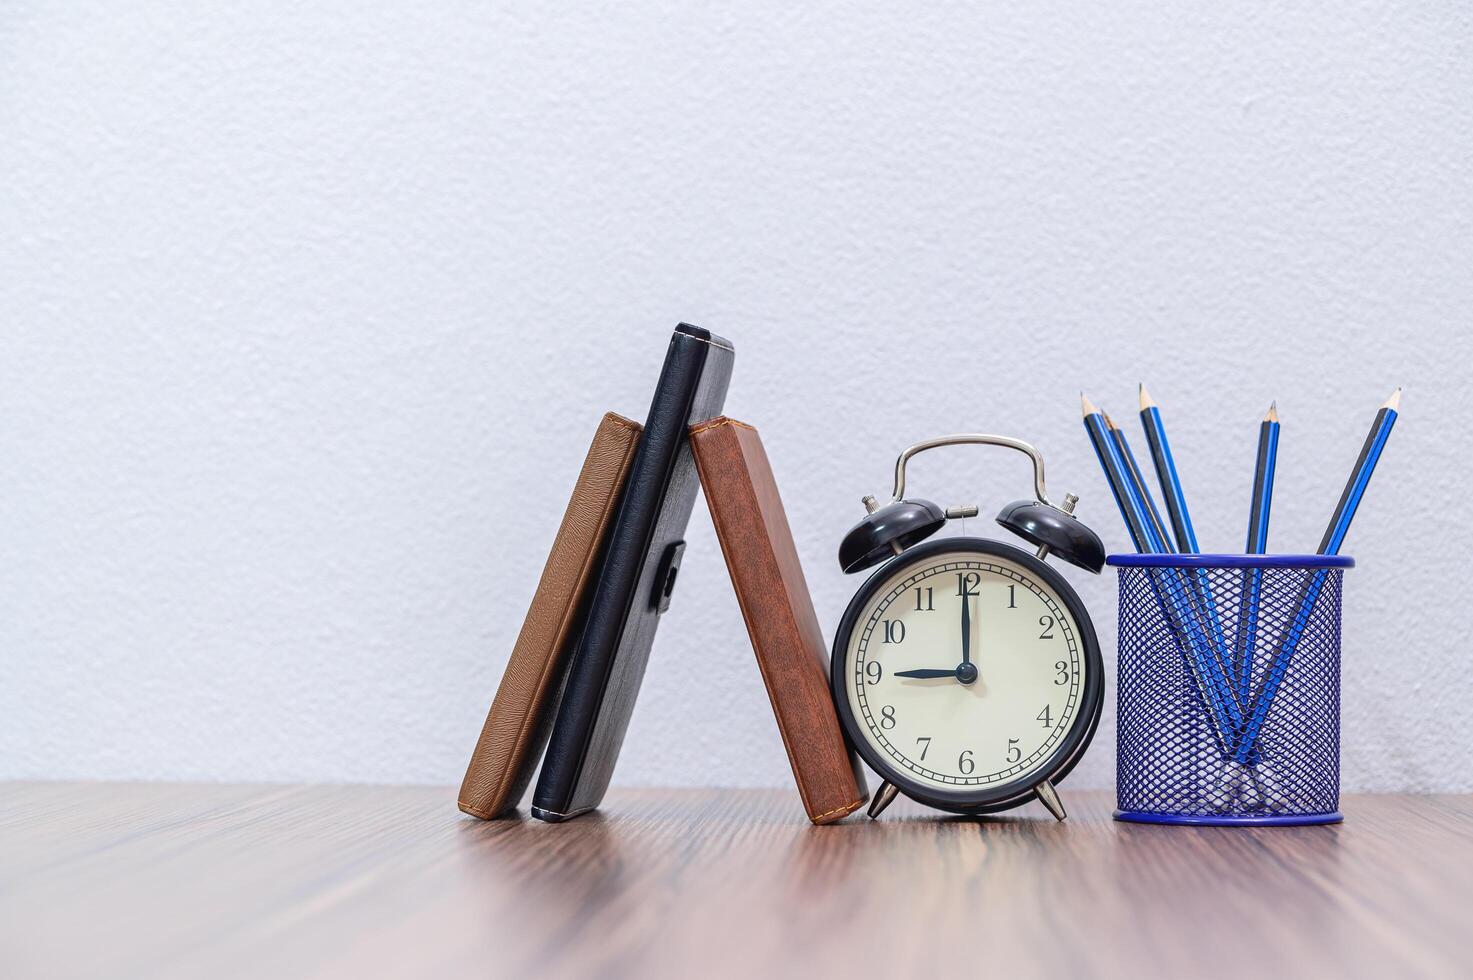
(1012,597)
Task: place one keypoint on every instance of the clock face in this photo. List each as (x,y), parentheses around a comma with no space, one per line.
(965,672)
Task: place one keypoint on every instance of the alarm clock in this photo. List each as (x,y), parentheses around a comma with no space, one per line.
(966,671)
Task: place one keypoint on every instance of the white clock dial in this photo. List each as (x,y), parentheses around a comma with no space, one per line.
(965,672)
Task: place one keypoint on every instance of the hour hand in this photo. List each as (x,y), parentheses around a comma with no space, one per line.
(926,672)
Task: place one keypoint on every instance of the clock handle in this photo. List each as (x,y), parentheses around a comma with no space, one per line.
(974,438)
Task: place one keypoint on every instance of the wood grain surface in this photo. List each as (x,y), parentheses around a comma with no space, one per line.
(174,880)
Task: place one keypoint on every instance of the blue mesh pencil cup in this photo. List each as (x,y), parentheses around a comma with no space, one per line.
(1229,689)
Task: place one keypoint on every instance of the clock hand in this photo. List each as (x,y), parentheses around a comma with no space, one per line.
(966,671)
(926,672)
(966,627)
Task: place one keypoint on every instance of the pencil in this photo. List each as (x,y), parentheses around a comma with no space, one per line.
(1160,540)
(1166,475)
(1182,530)
(1350,498)
(1258,515)
(1360,476)
(1137,523)
(1263,482)
(1198,597)
(1114,468)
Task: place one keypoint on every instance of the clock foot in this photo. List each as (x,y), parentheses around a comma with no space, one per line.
(884,796)
(1049,797)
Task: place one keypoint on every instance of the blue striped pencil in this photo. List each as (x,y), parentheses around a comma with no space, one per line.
(1263,481)
(1202,602)
(1114,469)
(1258,515)
(1185,534)
(1161,539)
(1360,477)
(1166,475)
(1350,498)
(1128,498)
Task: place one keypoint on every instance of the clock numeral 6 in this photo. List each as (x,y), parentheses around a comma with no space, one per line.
(1014,753)
(894,630)
(873,671)
(965,764)
(887,717)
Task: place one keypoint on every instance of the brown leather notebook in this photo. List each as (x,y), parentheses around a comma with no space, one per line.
(763,561)
(521,715)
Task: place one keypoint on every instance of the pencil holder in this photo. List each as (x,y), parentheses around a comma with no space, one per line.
(1229,689)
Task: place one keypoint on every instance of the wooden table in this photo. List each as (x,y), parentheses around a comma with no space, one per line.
(160,880)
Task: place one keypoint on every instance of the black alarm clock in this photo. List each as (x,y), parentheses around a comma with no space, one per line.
(966,671)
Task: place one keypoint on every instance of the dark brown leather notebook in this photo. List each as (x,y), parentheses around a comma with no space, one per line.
(521,715)
(763,561)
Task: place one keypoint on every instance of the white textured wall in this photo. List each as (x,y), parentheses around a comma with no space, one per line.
(306,316)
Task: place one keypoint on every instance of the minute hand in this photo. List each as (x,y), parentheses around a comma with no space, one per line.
(966,626)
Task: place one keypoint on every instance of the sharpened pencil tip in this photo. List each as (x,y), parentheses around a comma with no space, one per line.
(1394,402)
(1087,406)
(1109,422)
(1146,400)
(1272,415)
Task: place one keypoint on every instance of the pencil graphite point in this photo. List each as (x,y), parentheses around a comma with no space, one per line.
(1087,406)
(1109,422)
(1394,402)
(1146,400)
(1272,415)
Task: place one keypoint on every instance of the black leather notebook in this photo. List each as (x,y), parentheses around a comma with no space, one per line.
(634,586)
